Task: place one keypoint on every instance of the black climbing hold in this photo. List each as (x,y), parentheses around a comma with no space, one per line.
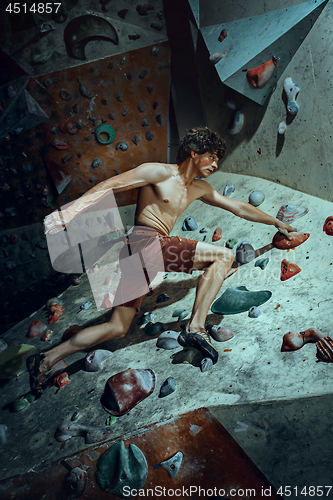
(91,180)
(110,116)
(122,145)
(74,108)
(134,37)
(48,82)
(93,119)
(150,89)
(153,329)
(119,96)
(79,126)
(149,136)
(143,8)
(122,13)
(156,26)
(143,73)
(87,138)
(53,130)
(124,112)
(140,108)
(79,154)
(27,168)
(158,118)
(155,104)
(122,62)
(154,51)
(65,95)
(160,15)
(84,91)
(145,122)
(96,163)
(104,101)
(168,387)
(164,297)
(135,139)
(91,70)
(110,65)
(66,158)
(129,76)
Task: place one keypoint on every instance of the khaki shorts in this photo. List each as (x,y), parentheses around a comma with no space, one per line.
(147,253)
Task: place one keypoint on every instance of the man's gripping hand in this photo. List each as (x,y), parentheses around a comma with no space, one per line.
(284,228)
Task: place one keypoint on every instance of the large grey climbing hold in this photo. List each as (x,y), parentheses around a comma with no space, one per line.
(236,123)
(168,340)
(254,312)
(3,438)
(173,464)
(122,145)
(189,224)
(206,364)
(256,198)
(228,189)
(168,387)
(245,252)
(262,263)
(96,163)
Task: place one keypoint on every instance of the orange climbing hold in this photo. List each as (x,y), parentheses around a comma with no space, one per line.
(282,243)
(288,270)
(217,234)
(328,226)
(260,75)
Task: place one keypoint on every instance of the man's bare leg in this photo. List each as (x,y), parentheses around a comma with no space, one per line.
(117,327)
(219,260)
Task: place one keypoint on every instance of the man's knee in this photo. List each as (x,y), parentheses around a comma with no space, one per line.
(226,257)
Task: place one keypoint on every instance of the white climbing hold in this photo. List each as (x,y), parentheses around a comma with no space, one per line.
(291,90)
(236,123)
(282,127)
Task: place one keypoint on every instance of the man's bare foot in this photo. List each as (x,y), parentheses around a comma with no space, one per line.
(292,341)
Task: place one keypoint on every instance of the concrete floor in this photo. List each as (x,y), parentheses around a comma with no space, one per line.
(276,405)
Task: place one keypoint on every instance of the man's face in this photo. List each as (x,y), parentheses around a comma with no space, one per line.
(205,163)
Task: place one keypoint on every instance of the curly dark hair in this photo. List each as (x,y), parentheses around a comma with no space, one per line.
(200,140)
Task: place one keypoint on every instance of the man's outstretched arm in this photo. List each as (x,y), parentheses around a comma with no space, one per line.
(147,173)
(244,210)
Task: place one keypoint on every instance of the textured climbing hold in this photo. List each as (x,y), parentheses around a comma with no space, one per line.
(220,333)
(61,380)
(67,430)
(288,270)
(3,437)
(102,130)
(122,145)
(256,198)
(153,329)
(143,74)
(217,57)
(261,75)
(236,122)
(282,127)
(282,243)
(245,252)
(168,340)
(84,91)
(289,213)
(325,350)
(239,299)
(111,420)
(217,235)
(126,389)
(189,224)
(262,263)
(121,469)
(94,359)
(168,387)
(254,312)
(292,341)
(231,243)
(47,336)
(328,226)
(96,163)
(147,317)
(229,188)
(36,328)
(76,480)
(291,90)
(163,297)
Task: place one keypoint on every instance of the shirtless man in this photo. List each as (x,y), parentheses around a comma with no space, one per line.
(165,191)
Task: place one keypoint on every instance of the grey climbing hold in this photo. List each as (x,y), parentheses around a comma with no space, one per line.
(262,263)
(168,340)
(173,464)
(3,438)
(183,314)
(122,145)
(245,252)
(254,312)
(145,122)
(158,118)
(149,136)
(189,224)
(119,96)
(150,89)
(206,364)
(124,112)
(164,297)
(168,387)
(236,123)
(84,91)
(129,76)
(204,230)
(135,139)
(156,26)
(110,65)
(153,329)
(143,73)
(256,198)
(228,189)
(96,163)
(110,116)
(140,108)
(154,51)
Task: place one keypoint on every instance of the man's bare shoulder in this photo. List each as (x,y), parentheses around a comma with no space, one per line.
(204,186)
(156,171)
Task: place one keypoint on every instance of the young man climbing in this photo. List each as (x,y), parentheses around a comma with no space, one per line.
(165,191)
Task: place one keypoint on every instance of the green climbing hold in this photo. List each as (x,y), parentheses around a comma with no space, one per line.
(104,128)
(111,420)
(239,299)
(121,469)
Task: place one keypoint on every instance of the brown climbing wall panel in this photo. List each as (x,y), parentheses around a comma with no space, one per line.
(142,77)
